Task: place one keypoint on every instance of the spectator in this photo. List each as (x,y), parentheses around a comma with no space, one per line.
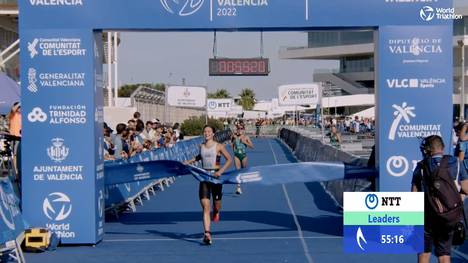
(258,126)
(147,145)
(177,132)
(148,133)
(335,137)
(108,146)
(435,232)
(14,119)
(131,124)
(118,140)
(347,124)
(356,124)
(461,149)
(136,116)
(3,124)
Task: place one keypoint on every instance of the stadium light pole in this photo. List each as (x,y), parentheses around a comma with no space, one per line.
(461,43)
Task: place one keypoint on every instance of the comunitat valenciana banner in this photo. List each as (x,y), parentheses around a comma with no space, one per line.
(186,96)
(299,94)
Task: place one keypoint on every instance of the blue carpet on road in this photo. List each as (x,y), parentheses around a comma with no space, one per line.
(291,223)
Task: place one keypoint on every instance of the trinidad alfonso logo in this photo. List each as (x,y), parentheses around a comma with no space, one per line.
(58,152)
(403,112)
(37,115)
(57,206)
(182,7)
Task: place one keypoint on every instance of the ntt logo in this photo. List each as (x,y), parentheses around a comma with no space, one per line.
(182,7)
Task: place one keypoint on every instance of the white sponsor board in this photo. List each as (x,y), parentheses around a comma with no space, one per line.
(186,96)
(383,201)
(219,104)
(299,94)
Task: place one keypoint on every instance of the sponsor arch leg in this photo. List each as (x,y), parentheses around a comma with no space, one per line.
(62,134)
(414,97)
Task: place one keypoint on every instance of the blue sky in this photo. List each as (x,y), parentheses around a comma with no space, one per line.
(167,57)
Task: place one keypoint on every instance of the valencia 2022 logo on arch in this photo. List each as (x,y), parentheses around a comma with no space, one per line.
(182,7)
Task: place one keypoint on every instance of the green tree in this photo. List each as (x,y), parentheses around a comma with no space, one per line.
(219,94)
(194,125)
(247,99)
(127,89)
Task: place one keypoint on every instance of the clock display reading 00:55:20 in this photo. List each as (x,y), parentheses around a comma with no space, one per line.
(239,66)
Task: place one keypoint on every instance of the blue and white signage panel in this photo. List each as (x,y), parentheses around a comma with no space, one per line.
(59,132)
(210,14)
(415,86)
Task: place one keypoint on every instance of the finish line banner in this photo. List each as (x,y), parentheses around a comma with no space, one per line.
(266,175)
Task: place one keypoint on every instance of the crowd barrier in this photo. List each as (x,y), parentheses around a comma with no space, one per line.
(12,224)
(308,149)
(121,196)
(117,196)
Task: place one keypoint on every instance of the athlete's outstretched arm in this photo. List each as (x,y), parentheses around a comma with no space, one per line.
(228,162)
(248,142)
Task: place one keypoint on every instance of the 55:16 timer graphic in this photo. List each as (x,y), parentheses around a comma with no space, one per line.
(392,239)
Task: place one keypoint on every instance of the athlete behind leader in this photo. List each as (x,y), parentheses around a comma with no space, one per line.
(239,142)
(210,155)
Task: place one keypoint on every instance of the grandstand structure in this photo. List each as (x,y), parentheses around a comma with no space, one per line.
(9,38)
(354,49)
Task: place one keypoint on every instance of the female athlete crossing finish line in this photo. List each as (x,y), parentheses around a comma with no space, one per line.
(212,177)
(210,155)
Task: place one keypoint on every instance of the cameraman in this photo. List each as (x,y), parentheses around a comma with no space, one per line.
(436,233)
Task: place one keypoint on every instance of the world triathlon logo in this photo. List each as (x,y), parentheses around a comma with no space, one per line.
(182,7)
(57,206)
(427,13)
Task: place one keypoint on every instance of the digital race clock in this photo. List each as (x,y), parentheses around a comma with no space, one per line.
(239,67)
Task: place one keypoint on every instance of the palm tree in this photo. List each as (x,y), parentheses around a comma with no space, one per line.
(219,94)
(247,99)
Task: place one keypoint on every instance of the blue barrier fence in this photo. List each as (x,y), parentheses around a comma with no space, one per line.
(117,196)
(12,224)
(311,150)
